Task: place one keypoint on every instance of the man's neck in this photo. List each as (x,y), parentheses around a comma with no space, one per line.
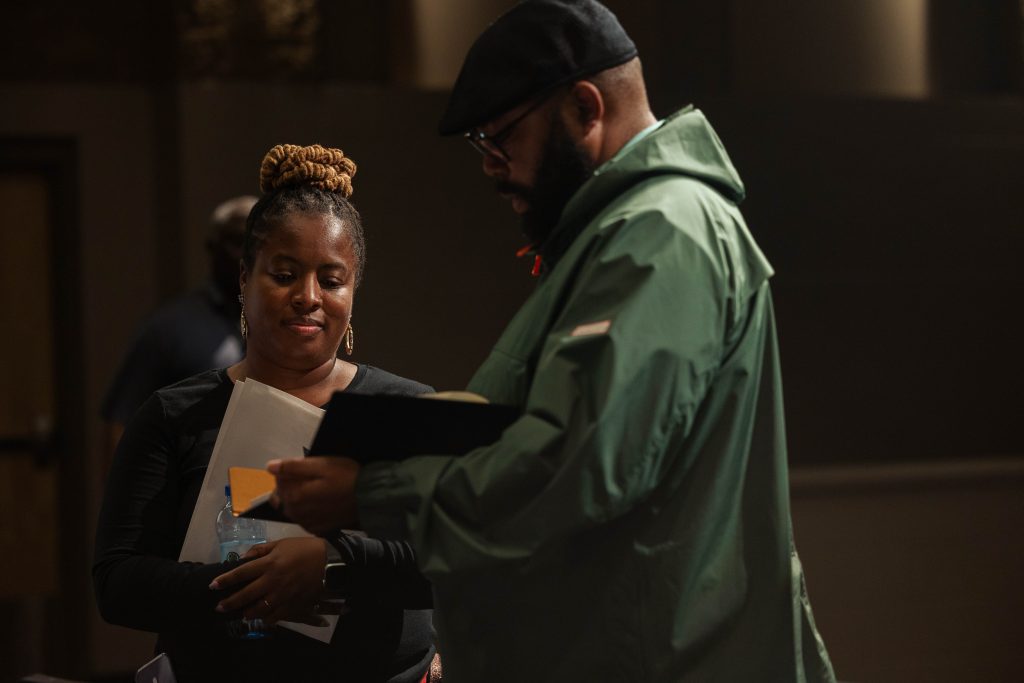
(620,133)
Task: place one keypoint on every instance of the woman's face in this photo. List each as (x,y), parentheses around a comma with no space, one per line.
(299,292)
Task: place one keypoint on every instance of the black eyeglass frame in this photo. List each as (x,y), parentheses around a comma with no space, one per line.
(490,145)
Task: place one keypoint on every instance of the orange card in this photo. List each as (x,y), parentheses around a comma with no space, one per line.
(249,487)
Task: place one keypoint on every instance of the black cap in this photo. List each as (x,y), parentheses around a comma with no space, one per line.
(534,47)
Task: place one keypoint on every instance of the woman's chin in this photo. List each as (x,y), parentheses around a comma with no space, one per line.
(306,360)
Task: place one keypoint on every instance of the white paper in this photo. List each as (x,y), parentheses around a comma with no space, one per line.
(261,423)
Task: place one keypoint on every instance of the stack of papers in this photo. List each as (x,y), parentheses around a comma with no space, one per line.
(261,423)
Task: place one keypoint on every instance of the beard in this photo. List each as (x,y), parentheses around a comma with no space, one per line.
(563,169)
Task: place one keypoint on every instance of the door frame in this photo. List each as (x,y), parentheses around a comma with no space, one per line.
(68,615)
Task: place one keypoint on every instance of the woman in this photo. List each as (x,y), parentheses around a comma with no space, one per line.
(302,259)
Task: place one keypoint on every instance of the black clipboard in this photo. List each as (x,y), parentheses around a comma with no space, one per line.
(373,427)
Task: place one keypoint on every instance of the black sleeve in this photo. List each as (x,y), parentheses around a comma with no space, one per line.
(136,577)
(373,380)
(383,572)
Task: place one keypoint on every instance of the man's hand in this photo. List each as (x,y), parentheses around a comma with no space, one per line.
(317,492)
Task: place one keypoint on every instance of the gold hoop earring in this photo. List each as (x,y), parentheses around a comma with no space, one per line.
(350,340)
(243,324)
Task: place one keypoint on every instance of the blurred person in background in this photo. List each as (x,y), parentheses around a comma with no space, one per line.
(198,331)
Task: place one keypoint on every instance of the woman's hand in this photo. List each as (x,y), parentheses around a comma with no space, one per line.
(282,581)
(317,492)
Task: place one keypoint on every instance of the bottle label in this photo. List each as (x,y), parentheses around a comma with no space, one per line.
(235,550)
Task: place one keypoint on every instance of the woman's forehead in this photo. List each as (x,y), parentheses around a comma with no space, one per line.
(304,235)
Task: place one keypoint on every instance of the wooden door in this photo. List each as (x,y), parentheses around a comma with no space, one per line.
(29,518)
(45,519)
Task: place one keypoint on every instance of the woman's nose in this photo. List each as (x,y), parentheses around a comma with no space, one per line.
(307,294)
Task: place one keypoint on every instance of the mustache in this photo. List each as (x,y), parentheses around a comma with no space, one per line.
(505,187)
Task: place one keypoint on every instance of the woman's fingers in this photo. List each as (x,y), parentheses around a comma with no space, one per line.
(241,574)
(245,597)
(285,581)
(259,550)
(275,606)
(266,608)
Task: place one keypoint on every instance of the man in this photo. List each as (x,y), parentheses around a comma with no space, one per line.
(633,524)
(196,332)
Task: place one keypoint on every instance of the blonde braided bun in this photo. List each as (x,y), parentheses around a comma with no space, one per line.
(325,168)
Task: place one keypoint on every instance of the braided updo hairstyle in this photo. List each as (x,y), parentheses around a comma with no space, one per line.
(307,180)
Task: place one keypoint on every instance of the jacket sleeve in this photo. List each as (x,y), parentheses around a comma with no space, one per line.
(604,417)
(137,579)
(383,572)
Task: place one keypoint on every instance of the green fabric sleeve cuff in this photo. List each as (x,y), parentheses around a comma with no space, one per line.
(394,497)
(379,513)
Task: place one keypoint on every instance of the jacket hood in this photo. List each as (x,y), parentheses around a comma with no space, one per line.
(685,144)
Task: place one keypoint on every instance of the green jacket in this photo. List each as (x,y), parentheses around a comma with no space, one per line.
(633,525)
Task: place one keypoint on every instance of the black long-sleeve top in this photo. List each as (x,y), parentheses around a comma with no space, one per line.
(152,490)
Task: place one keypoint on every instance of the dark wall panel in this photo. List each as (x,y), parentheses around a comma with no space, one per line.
(896,233)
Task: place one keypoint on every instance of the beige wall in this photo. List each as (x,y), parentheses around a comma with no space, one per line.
(874,48)
(914,571)
(443,31)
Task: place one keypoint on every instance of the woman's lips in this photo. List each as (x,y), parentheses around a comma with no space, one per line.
(304,328)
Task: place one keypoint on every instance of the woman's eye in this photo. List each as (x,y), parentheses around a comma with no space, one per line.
(282,277)
(331,284)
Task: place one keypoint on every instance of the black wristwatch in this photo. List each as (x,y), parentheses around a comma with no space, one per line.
(337,580)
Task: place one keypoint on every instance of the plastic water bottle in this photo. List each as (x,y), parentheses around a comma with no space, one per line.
(236,536)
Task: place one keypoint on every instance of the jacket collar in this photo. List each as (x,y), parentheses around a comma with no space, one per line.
(608,182)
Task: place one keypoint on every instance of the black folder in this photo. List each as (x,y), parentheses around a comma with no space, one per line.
(368,427)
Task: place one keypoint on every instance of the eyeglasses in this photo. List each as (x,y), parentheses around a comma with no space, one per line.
(490,145)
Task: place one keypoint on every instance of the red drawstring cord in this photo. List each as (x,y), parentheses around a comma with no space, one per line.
(523,251)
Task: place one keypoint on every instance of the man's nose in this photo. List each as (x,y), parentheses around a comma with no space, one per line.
(494,167)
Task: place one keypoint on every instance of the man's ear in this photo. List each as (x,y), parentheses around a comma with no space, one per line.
(587,104)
